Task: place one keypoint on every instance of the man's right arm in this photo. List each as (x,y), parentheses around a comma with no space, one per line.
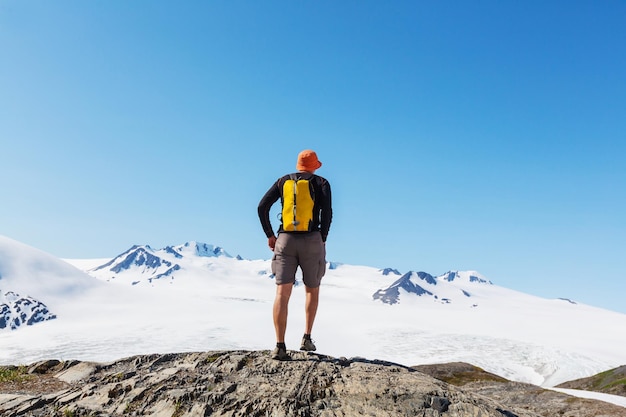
(271,196)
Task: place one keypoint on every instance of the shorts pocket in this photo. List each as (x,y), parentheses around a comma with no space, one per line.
(274,264)
(321,271)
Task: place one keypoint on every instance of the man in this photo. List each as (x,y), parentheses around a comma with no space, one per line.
(305,220)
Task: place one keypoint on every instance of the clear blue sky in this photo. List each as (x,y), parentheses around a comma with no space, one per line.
(456,135)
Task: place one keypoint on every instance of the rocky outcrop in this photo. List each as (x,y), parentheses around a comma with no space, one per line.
(242,383)
(249,383)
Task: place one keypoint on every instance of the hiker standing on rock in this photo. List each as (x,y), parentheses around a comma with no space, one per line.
(305,220)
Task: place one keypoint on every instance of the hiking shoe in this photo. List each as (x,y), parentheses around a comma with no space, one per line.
(280,354)
(307,345)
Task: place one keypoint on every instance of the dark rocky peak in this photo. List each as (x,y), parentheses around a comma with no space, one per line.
(172,251)
(334,265)
(140,256)
(391,295)
(424,276)
(201,249)
(388,271)
(168,273)
(471,277)
(450,276)
(123,257)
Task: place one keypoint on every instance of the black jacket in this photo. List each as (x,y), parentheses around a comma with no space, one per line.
(322,209)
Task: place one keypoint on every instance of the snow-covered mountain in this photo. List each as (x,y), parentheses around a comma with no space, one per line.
(17,310)
(195,297)
(144,264)
(453,286)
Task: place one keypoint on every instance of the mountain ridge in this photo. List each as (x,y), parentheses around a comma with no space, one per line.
(165,262)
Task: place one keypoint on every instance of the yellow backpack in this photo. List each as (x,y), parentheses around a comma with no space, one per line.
(298,202)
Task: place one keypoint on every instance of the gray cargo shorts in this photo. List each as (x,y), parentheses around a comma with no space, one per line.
(306,250)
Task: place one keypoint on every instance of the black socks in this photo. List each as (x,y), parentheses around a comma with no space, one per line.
(307,336)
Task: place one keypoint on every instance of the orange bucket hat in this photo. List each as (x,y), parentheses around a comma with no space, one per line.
(307,161)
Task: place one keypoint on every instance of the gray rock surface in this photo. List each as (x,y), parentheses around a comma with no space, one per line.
(242,383)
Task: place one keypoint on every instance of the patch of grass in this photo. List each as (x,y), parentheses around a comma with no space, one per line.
(14,374)
(615,383)
(597,382)
(213,357)
(605,380)
(463,378)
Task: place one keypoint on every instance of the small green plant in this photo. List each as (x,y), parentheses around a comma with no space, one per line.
(14,374)
(178,408)
(68,413)
(213,357)
(131,407)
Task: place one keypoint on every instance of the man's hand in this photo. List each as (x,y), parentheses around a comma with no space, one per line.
(271,242)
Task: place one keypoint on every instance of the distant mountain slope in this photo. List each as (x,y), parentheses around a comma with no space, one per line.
(27,270)
(520,395)
(612,381)
(32,282)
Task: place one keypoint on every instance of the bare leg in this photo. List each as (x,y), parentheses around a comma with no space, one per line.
(310,307)
(281,304)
